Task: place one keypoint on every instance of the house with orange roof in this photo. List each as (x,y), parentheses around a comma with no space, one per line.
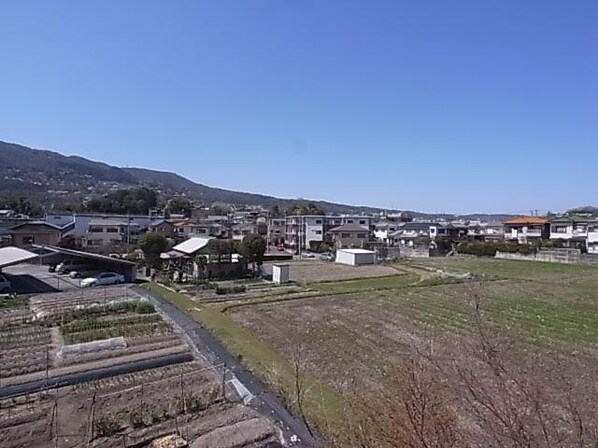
(526,229)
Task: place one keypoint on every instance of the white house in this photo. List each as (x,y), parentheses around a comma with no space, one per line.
(592,237)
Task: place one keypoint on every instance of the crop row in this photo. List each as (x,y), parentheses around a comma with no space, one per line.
(24,337)
(141,329)
(95,324)
(66,315)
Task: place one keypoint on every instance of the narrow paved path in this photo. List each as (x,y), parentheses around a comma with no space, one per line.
(264,401)
(82,377)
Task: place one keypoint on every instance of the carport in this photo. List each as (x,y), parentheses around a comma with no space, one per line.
(96,262)
(10,256)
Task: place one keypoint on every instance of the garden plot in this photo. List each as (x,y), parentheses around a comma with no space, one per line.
(131,410)
(69,332)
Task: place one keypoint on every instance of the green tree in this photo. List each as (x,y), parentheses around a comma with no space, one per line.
(303,208)
(252,249)
(135,200)
(275,212)
(222,249)
(153,244)
(180,206)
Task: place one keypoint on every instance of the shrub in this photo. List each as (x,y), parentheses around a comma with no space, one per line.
(489,249)
(106,426)
(222,290)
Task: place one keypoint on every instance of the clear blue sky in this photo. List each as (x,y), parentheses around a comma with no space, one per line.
(464,106)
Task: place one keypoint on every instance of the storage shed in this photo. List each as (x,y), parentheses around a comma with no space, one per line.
(280,273)
(355,257)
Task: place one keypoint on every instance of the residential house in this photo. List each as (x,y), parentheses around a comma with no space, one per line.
(350,236)
(485,231)
(163,227)
(407,234)
(526,229)
(187,229)
(383,230)
(592,243)
(37,232)
(105,232)
(82,221)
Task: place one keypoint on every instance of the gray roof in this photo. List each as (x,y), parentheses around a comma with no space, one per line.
(111,222)
(14,255)
(37,223)
(350,228)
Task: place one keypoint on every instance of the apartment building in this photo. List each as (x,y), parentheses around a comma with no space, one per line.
(303,231)
(104,232)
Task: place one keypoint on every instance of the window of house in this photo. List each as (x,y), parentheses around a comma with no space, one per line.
(350,221)
(95,229)
(318,221)
(362,221)
(559,229)
(318,232)
(345,235)
(112,230)
(361,235)
(28,240)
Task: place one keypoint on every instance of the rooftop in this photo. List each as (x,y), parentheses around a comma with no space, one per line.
(350,228)
(356,251)
(522,220)
(192,245)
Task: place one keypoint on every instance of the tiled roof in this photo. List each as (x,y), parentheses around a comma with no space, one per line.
(534,220)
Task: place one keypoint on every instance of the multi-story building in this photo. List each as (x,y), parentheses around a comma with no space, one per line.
(276,231)
(303,231)
(526,229)
(104,232)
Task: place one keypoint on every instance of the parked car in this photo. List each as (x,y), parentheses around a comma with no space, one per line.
(105,278)
(67,266)
(5,286)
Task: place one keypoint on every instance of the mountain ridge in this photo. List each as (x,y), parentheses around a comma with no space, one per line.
(49,175)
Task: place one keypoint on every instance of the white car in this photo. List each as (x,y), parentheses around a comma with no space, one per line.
(105,278)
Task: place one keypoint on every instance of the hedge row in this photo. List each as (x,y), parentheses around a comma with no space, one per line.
(489,249)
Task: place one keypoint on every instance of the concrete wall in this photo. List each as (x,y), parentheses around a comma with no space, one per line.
(414,252)
(552,256)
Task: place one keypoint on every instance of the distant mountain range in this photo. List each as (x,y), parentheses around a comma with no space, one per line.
(51,176)
(58,179)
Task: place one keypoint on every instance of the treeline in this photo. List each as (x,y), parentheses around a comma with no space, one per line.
(137,201)
(489,249)
(21,205)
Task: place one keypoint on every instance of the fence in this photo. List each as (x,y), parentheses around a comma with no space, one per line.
(567,256)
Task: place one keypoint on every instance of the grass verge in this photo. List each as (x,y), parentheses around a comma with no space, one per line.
(322,405)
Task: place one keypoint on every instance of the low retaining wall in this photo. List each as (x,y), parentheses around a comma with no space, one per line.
(414,252)
(552,256)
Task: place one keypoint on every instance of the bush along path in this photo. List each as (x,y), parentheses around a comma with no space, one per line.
(258,396)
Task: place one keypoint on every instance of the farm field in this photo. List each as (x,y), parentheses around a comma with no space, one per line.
(353,331)
(61,333)
(131,410)
(52,335)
